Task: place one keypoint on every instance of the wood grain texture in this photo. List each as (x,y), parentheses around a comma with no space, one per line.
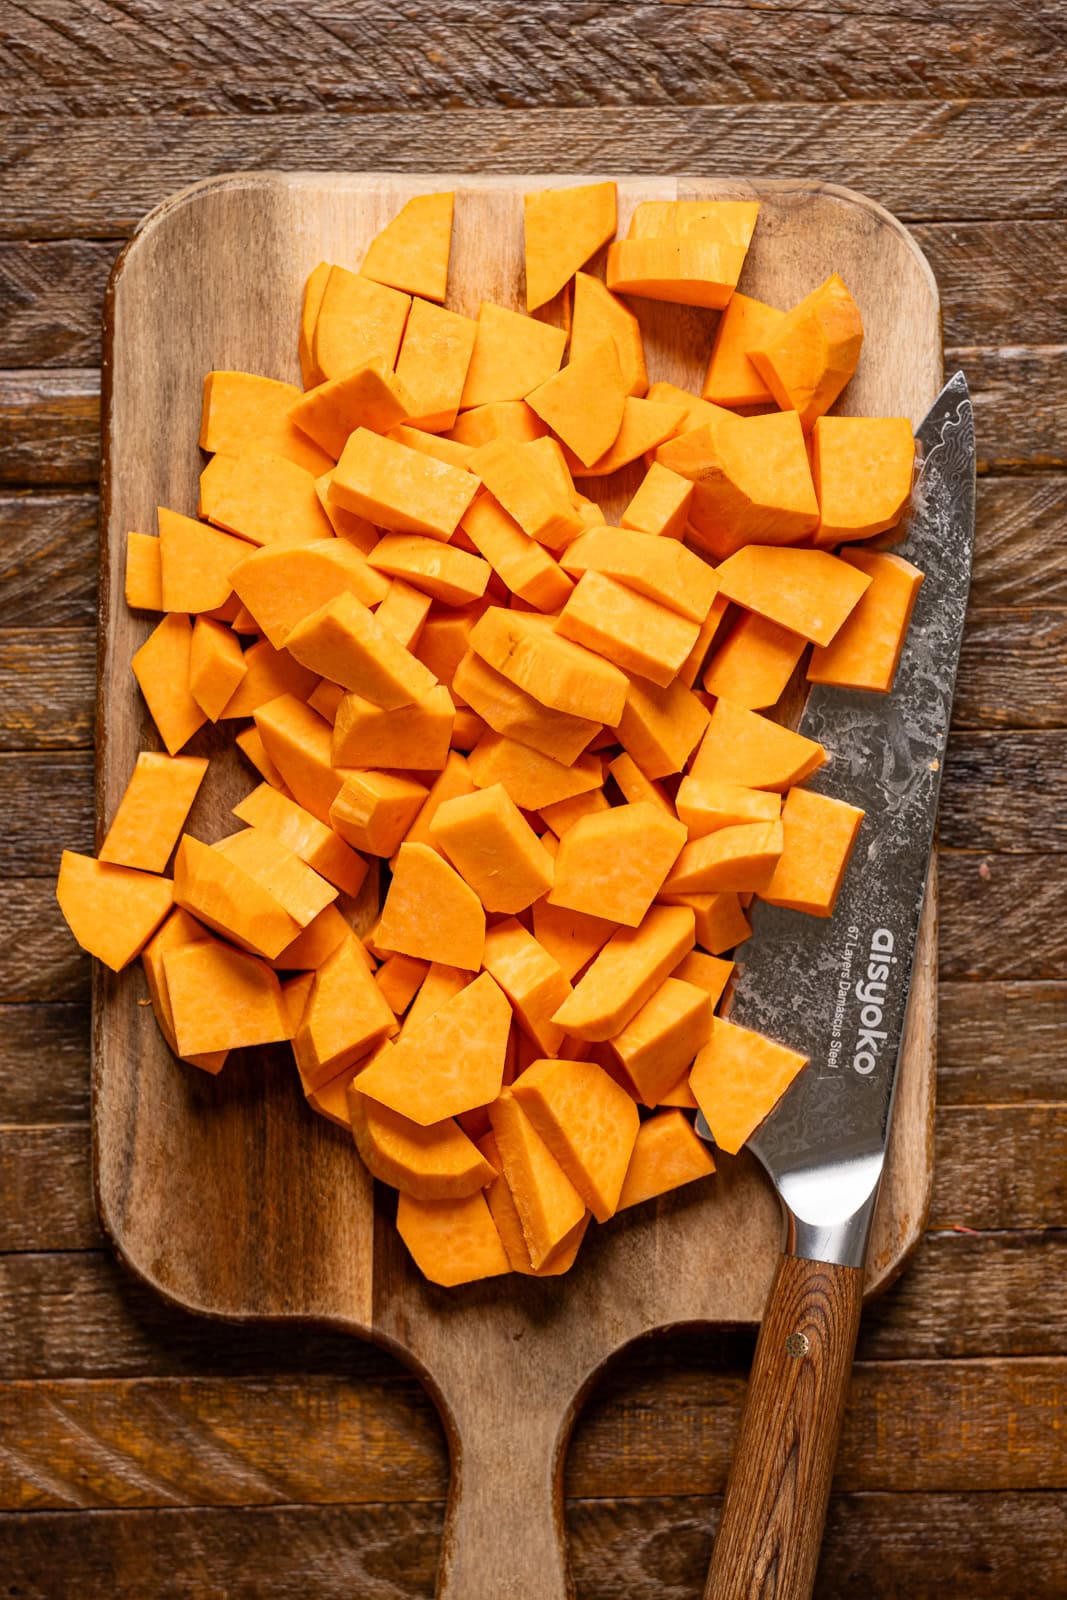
(996,789)
(38,958)
(35,836)
(47,689)
(44,1064)
(49,427)
(1001,1042)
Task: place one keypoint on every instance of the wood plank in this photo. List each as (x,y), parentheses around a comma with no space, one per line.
(50,427)
(38,958)
(926,160)
(995,795)
(44,1063)
(51,298)
(1013,670)
(1020,559)
(50,560)
(210,1442)
(35,833)
(1001,916)
(47,688)
(999,1042)
(46,1190)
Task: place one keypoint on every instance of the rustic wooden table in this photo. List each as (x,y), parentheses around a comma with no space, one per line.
(145,1453)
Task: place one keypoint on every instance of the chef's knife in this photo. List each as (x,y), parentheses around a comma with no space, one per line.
(837,990)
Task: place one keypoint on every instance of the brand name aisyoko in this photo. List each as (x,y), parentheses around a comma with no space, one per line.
(870,990)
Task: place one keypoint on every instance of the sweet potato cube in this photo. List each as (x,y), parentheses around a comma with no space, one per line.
(331,1100)
(499,419)
(399,978)
(614,863)
(434,1163)
(731,220)
(268,674)
(660,727)
(531,779)
(660,505)
(626,973)
(563,228)
(222,894)
(412,251)
(436,445)
(417,736)
(744,748)
(299,743)
(442,571)
(572,938)
(809,592)
(705,805)
(179,929)
(266,499)
(565,813)
(587,1122)
(509,1223)
(533,980)
(819,835)
(399,488)
(441,983)
(740,857)
(752,482)
(314,289)
(347,525)
(666,1155)
(510,711)
(222,999)
(597,315)
(431,913)
(738,1077)
(645,424)
(493,848)
(453,778)
(639,634)
(754,662)
(865,652)
(687,270)
(451,1241)
(250,742)
(693,412)
(863,469)
(512,355)
(660,569)
(374,810)
(549,1206)
(731,378)
(144,572)
(294,884)
(636,787)
(371,397)
(282,585)
(315,944)
(152,812)
(517,478)
(112,911)
(707,972)
(807,358)
(660,1042)
(358,321)
(442,644)
(195,562)
(244,412)
(344,641)
(584,402)
(433,363)
(161,667)
(304,835)
(450,1063)
(559,673)
(344,1018)
(719,919)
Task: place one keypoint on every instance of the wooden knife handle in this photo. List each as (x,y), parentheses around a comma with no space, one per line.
(771,1530)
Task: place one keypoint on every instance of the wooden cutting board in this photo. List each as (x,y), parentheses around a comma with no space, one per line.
(227,1194)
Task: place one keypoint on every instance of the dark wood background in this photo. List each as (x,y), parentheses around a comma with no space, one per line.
(144,1452)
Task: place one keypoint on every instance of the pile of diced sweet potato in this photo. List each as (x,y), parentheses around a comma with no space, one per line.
(552,732)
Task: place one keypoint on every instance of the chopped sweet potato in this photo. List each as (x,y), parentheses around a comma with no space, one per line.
(314,946)
(572,938)
(437,1162)
(686,269)
(660,1042)
(451,1241)
(627,972)
(819,833)
(442,571)
(707,972)
(216,666)
(660,505)
(705,805)
(374,810)
(614,863)
(863,469)
(400,488)
(298,742)
(179,929)
(732,379)
(304,835)
(433,363)
(431,913)
(738,1078)
(493,848)
(556,671)
(314,289)
(195,562)
(809,592)
(510,711)
(719,919)
(740,857)
(509,1223)
(512,355)
(412,251)
(646,423)
(399,979)
(345,642)
(222,894)
(416,736)
(497,419)
(453,778)
(587,1122)
(518,480)
(754,662)
(563,228)
(243,412)
(268,674)
(865,651)
(161,667)
(532,979)
(222,999)
(807,358)
(666,1155)
(533,780)
(265,499)
(548,1204)
(660,727)
(597,315)
(344,1018)
(152,812)
(744,748)
(635,786)
(627,627)
(111,910)
(371,396)
(144,572)
(661,569)
(584,402)
(358,321)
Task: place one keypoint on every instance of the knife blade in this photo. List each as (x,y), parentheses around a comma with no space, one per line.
(837,991)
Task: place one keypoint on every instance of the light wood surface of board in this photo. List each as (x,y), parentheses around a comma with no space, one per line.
(227,1194)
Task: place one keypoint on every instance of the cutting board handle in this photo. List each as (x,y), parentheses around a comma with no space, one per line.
(504,1533)
(772,1520)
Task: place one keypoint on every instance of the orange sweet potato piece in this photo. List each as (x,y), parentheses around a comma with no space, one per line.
(719,919)
(731,378)
(345,1016)
(571,937)
(691,666)
(509,1223)
(417,736)
(347,525)
(754,662)
(660,504)
(531,779)
(863,469)
(584,402)
(399,978)
(563,228)
(660,727)
(453,778)
(268,674)
(314,289)
(451,1241)
(646,423)
(744,748)
(195,562)
(244,412)
(144,572)
(499,419)
(597,315)
(315,944)
(808,591)
(743,856)
(436,445)
(266,499)
(510,711)
(152,812)
(299,744)
(639,634)
(431,913)
(216,666)
(344,641)
(438,1162)
(666,1155)
(686,269)
(512,355)
(752,482)
(450,1063)
(635,787)
(441,983)
(613,864)
(304,835)
(707,804)
(865,651)
(331,1099)
(493,848)
(731,220)
(433,363)
(358,321)
(706,972)
(222,894)
(738,1077)
(371,396)
(442,571)
(565,813)
(222,999)
(412,251)
(179,929)
(587,1122)
(112,911)
(400,488)
(442,644)
(250,742)
(549,1206)
(161,667)
(518,479)
(403,612)
(819,835)
(807,358)
(374,810)
(659,1043)
(661,569)
(533,980)
(626,973)
(556,671)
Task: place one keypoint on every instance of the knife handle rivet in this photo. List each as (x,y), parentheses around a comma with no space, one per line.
(797,1344)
